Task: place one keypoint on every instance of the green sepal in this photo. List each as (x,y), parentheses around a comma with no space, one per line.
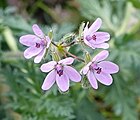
(50,34)
(87,57)
(55,56)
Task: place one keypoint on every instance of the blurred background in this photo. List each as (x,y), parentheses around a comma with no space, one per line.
(21,97)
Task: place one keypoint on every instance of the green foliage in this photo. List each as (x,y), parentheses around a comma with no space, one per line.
(28,99)
(120,101)
(125,51)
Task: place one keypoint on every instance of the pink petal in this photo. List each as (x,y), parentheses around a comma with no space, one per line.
(86,68)
(32,51)
(88,43)
(85,35)
(67,61)
(28,40)
(37,31)
(101,56)
(48,41)
(100,37)
(95,26)
(48,66)
(92,80)
(108,67)
(62,82)
(102,45)
(49,80)
(72,74)
(86,30)
(39,57)
(104,78)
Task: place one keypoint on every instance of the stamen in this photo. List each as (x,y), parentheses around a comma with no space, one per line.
(59,69)
(93,67)
(98,70)
(94,37)
(60,72)
(37,45)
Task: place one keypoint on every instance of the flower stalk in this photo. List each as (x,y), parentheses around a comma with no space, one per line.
(60,68)
(74,56)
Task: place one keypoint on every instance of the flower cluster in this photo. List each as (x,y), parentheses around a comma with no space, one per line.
(60,68)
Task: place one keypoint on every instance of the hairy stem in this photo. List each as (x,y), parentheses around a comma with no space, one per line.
(72,43)
(74,56)
(54,44)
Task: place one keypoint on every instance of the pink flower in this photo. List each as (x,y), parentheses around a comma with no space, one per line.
(61,73)
(95,39)
(100,70)
(37,44)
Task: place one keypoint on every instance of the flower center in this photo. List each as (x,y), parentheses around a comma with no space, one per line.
(94,37)
(98,70)
(88,37)
(94,67)
(60,72)
(59,69)
(43,43)
(37,45)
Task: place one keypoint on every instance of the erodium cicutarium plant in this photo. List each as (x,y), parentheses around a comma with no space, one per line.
(60,70)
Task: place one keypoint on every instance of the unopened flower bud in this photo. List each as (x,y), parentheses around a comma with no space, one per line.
(85,82)
(50,34)
(81,29)
(87,57)
(68,38)
(55,56)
